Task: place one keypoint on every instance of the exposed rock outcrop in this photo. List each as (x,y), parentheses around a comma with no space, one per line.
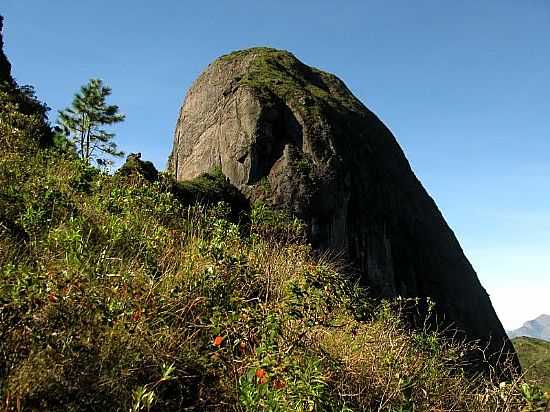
(295,136)
(134,165)
(5,66)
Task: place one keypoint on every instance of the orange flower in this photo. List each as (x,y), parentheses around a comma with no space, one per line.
(263,380)
(260,373)
(136,315)
(217,341)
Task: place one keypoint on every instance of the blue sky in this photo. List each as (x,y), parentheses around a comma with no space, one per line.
(463,85)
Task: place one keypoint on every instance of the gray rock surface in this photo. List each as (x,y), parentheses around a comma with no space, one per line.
(295,136)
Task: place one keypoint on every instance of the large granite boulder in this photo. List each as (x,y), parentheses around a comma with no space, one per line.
(295,136)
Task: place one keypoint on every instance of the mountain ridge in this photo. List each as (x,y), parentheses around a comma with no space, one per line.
(538,328)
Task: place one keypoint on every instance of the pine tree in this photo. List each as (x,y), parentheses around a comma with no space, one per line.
(83,120)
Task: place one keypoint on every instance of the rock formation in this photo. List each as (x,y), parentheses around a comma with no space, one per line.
(295,136)
(134,165)
(5,66)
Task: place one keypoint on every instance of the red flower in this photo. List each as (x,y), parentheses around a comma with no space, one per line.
(136,315)
(217,341)
(260,373)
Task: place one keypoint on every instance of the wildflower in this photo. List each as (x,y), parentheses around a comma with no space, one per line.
(263,380)
(136,315)
(260,373)
(217,341)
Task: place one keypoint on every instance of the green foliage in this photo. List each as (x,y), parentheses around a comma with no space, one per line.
(127,293)
(534,355)
(82,122)
(304,166)
(210,189)
(20,129)
(278,225)
(134,165)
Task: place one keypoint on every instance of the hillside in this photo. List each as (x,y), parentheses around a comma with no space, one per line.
(538,328)
(134,292)
(534,355)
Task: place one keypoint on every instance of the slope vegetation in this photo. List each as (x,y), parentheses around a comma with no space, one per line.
(534,355)
(131,293)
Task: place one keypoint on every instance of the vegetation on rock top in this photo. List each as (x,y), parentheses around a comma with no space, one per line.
(280,73)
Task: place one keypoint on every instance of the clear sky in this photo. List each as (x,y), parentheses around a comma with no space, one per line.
(464,86)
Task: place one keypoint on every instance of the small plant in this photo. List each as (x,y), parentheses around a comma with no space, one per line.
(304,166)
(278,225)
(144,399)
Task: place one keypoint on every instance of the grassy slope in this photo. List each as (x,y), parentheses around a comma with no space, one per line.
(534,355)
(121,293)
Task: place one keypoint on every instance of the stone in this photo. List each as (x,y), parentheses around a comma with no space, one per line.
(296,137)
(134,165)
(5,66)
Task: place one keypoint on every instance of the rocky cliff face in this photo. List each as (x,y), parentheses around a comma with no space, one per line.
(295,136)
(5,66)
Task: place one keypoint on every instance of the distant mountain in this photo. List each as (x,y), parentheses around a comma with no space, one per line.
(537,328)
(534,355)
